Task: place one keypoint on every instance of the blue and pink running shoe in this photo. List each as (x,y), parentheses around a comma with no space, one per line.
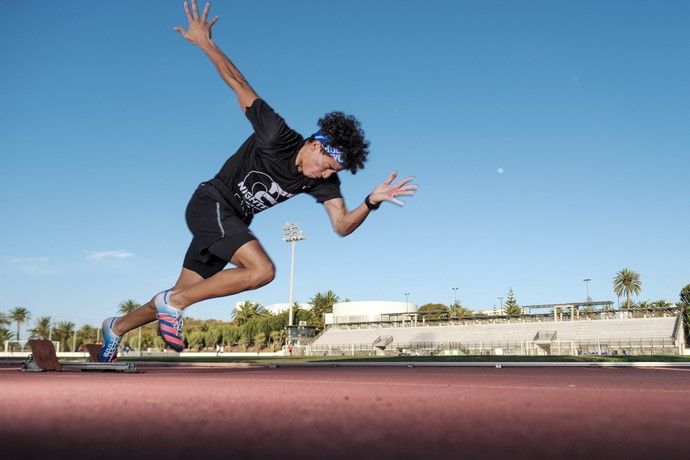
(169,321)
(111,342)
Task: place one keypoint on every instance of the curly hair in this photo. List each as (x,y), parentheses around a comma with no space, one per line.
(345,133)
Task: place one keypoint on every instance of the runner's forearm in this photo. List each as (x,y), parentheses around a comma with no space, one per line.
(351,220)
(230,74)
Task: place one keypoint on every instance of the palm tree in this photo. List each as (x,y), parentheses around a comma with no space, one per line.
(685,305)
(87,334)
(320,304)
(5,333)
(63,331)
(245,312)
(627,282)
(458,310)
(42,329)
(661,304)
(19,315)
(126,307)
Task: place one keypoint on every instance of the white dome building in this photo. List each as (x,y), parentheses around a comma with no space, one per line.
(371,311)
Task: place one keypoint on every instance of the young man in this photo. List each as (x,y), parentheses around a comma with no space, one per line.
(275,163)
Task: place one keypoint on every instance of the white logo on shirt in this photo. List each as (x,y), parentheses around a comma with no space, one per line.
(259,191)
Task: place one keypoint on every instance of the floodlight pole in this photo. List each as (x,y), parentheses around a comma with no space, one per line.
(586,281)
(292,281)
(292,234)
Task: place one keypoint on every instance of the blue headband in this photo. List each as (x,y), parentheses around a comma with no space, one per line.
(334,152)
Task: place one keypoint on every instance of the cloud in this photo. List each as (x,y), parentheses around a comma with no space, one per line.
(29,265)
(119,254)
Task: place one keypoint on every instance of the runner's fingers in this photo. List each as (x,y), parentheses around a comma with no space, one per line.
(404,181)
(181,30)
(204,15)
(213,21)
(195,10)
(391,178)
(186,10)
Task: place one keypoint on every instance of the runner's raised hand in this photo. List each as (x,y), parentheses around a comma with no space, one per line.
(387,191)
(199,30)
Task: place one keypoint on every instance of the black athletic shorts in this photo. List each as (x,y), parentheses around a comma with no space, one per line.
(217,231)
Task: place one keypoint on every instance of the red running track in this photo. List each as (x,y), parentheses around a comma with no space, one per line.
(347,413)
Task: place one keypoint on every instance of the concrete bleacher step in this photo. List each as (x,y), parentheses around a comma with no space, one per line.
(658,328)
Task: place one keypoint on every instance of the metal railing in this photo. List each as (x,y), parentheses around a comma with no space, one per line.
(528,318)
(623,347)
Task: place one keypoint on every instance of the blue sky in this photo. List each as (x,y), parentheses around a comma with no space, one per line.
(110,119)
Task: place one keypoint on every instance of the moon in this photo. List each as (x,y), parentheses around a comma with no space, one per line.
(499,170)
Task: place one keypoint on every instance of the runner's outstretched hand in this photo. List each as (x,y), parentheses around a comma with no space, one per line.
(199,31)
(388,191)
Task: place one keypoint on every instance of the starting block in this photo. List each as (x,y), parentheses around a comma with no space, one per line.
(44,358)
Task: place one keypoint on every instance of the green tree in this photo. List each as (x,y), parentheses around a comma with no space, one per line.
(627,283)
(277,337)
(511,306)
(661,304)
(685,295)
(321,304)
(42,329)
(195,339)
(213,336)
(434,311)
(125,307)
(63,332)
(260,339)
(244,342)
(159,343)
(300,314)
(685,305)
(19,315)
(5,333)
(245,312)
(86,334)
(457,310)
(231,334)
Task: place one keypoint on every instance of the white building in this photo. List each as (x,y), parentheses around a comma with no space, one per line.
(372,311)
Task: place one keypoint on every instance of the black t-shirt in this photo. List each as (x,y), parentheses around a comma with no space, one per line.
(262,172)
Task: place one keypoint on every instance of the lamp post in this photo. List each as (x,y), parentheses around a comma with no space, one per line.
(455,295)
(500,299)
(407,304)
(292,234)
(586,281)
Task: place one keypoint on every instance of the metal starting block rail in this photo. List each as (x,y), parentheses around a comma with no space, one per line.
(43,358)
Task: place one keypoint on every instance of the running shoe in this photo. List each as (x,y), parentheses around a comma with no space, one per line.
(111,341)
(169,321)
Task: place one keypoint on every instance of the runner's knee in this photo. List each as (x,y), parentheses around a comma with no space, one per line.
(262,274)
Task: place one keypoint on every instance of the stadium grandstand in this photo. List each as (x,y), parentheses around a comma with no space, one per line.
(580,328)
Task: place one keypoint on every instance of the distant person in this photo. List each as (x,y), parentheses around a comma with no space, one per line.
(273,164)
